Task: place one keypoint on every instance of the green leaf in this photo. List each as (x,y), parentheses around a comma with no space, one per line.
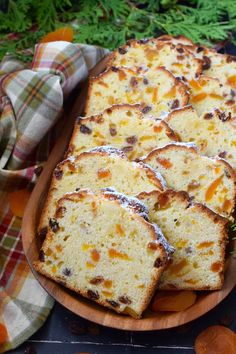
(110,23)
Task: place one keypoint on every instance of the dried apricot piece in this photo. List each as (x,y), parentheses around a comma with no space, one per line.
(18,201)
(232,80)
(216,340)
(212,188)
(3,333)
(164,162)
(173,301)
(61,34)
(199,97)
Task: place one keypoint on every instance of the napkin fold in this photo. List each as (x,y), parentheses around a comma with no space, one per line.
(31,104)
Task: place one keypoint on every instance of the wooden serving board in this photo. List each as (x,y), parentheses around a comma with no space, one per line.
(76,303)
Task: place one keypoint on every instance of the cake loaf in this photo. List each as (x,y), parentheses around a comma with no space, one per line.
(212,132)
(103,247)
(159,93)
(211,181)
(99,168)
(122,126)
(198,235)
(153,53)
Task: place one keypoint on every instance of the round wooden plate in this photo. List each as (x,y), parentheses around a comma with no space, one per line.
(77,304)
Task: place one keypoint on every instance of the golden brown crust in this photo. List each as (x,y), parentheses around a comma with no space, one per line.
(188,108)
(168,38)
(172,146)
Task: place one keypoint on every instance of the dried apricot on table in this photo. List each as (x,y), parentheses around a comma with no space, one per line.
(18,201)
(173,300)
(62,34)
(216,340)
(3,333)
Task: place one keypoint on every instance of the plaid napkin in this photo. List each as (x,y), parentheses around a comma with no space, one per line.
(31,103)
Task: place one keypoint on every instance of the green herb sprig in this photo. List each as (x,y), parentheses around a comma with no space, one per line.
(109,23)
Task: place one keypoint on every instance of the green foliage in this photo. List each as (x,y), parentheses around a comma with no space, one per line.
(110,23)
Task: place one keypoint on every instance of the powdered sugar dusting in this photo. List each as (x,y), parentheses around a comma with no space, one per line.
(109,150)
(156,173)
(162,240)
(132,203)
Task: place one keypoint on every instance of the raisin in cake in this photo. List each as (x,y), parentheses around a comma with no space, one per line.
(209,93)
(211,181)
(152,53)
(122,126)
(213,132)
(159,93)
(99,168)
(198,235)
(103,247)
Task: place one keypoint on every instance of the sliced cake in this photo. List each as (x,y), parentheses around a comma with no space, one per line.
(122,126)
(211,181)
(208,93)
(214,133)
(153,53)
(216,65)
(103,247)
(198,235)
(99,168)
(159,93)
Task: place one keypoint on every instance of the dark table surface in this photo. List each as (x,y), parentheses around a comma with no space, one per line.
(66,333)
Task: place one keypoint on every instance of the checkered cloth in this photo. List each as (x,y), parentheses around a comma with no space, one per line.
(31,103)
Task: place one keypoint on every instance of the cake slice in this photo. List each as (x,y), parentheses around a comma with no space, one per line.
(103,247)
(216,65)
(122,126)
(153,53)
(209,93)
(211,132)
(98,168)
(198,235)
(159,93)
(211,181)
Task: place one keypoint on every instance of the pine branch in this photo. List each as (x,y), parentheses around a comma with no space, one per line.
(110,23)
